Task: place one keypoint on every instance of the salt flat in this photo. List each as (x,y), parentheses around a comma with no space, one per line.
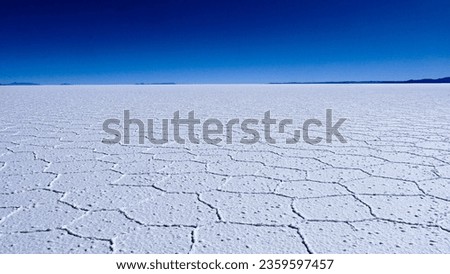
(386,190)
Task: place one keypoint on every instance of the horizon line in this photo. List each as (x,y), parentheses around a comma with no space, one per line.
(443,80)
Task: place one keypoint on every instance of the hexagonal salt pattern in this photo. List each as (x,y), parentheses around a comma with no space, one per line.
(386,190)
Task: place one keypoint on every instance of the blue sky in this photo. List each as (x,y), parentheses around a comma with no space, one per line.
(118,42)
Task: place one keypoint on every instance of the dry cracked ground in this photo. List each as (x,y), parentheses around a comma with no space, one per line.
(386,190)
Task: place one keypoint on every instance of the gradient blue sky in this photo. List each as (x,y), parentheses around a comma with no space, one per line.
(85,42)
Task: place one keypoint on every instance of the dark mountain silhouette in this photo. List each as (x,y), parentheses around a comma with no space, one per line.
(440,80)
(20,84)
(445,80)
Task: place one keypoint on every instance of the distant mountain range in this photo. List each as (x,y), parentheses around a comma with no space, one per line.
(445,80)
(19,84)
(162,83)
